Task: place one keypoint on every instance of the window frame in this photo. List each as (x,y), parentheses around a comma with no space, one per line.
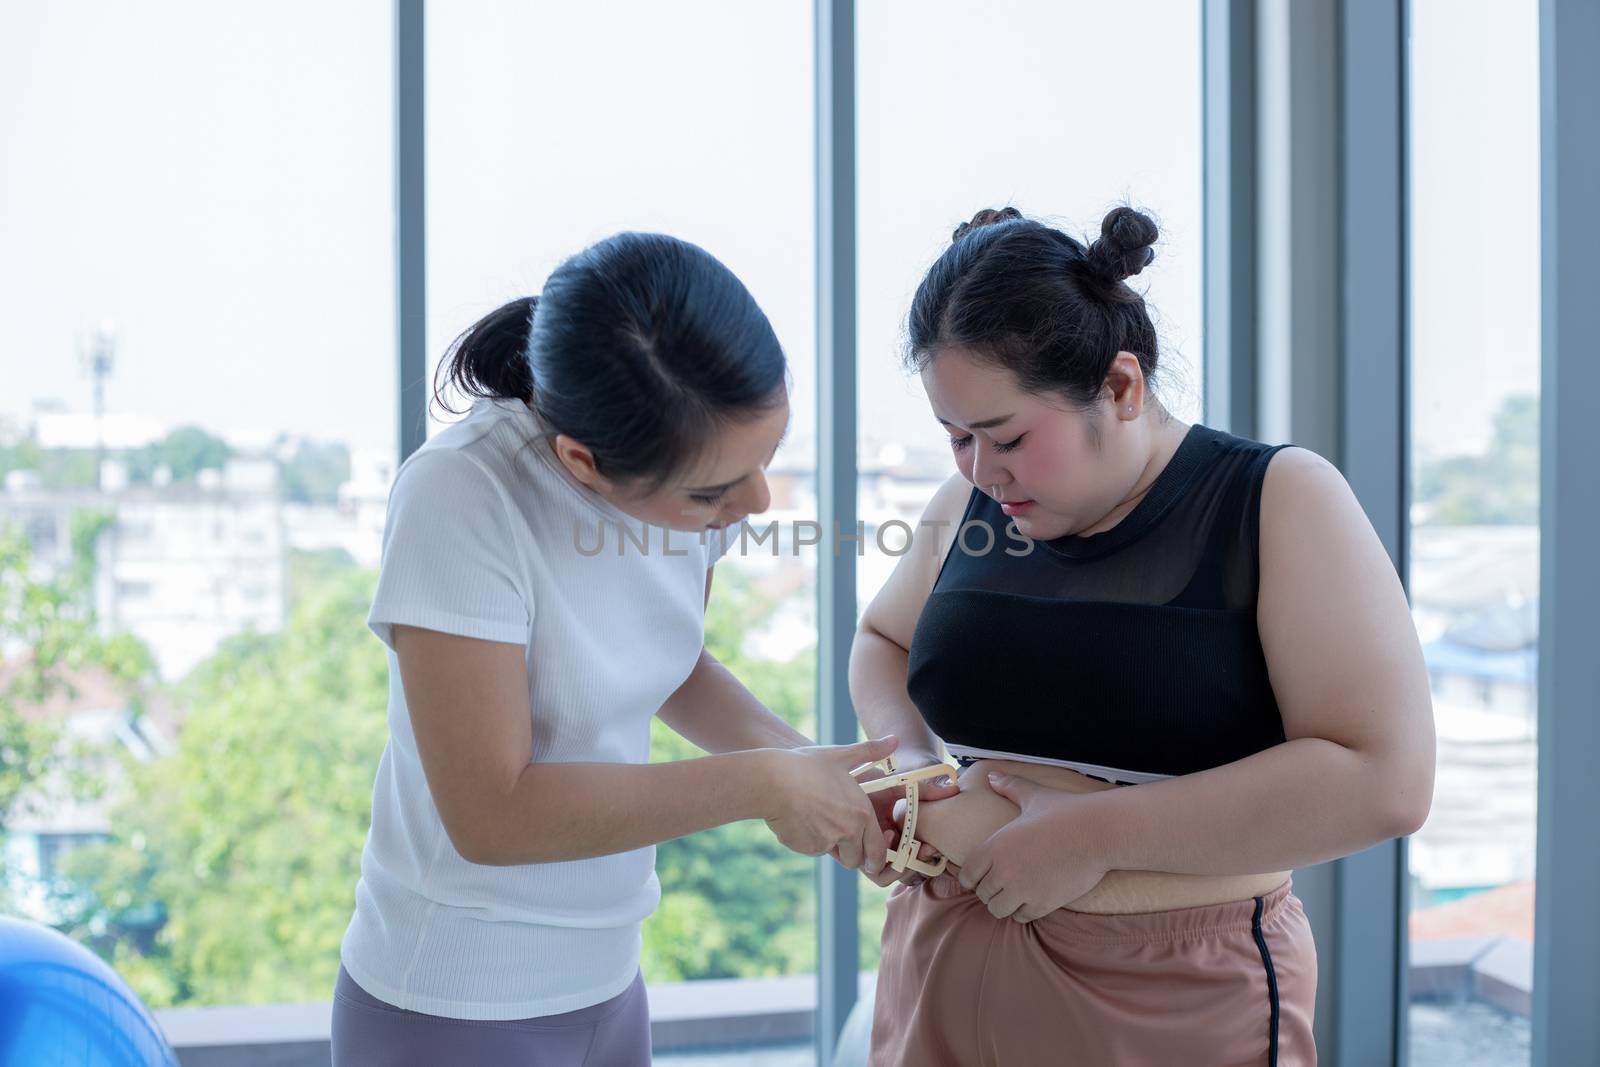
(1365,959)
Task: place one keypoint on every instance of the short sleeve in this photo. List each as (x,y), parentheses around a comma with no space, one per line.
(450,560)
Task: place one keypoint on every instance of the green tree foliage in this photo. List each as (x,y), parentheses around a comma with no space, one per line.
(56,468)
(248,837)
(185,452)
(18,450)
(51,626)
(734,902)
(1499,487)
(87,525)
(314,471)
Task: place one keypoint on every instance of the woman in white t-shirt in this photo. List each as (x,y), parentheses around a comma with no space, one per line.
(546,563)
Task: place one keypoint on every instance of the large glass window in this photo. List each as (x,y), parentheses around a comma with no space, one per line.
(196,442)
(551,126)
(1474,314)
(1037,108)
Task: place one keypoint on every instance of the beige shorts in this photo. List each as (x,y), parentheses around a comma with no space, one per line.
(1211,986)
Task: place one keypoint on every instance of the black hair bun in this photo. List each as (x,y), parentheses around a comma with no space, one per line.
(1124,248)
(987,217)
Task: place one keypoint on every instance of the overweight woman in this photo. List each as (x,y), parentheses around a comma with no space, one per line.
(1172,663)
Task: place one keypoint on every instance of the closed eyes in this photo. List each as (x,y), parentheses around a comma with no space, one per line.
(959,443)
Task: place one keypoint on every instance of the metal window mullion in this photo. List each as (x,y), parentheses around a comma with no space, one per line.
(410,229)
(1228,60)
(1369,887)
(1566,945)
(838,948)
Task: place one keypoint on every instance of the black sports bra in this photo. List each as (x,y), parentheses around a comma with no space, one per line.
(1130,655)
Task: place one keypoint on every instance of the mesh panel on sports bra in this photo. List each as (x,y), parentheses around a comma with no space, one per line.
(1135,648)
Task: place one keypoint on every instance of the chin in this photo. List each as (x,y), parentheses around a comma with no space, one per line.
(1040,528)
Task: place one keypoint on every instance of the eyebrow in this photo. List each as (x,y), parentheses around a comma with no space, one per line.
(981,424)
(710,489)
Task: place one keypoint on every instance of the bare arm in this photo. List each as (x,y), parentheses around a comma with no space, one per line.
(714,710)
(469,712)
(881,653)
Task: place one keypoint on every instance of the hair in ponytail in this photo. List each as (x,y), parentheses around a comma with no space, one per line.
(490,360)
(640,347)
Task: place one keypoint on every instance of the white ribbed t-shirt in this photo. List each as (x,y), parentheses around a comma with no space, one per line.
(488,536)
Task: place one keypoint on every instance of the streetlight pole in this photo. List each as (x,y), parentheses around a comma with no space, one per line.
(98,357)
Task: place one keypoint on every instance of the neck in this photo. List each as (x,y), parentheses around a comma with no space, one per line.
(1165,437)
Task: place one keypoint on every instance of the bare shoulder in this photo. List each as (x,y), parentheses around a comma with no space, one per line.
(937,531)
(1306,503)
(895,610)
(1294,471)
(949,501)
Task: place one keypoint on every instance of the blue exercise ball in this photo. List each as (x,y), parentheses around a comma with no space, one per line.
(62,1006)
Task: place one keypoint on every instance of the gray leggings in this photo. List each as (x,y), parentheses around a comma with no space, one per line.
(368,1032)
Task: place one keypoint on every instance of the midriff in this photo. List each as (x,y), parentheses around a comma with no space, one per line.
(960,823)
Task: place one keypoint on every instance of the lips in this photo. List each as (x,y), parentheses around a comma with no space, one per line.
(1015,507)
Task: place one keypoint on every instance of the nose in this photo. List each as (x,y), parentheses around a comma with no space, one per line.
(987,467)
(754,497)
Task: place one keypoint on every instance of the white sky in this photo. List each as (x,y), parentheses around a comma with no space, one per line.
(217,181)
(1474,216)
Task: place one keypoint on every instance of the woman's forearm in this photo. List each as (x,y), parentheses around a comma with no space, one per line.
(572,811)
(1303,802)
(878,669)
(714,710)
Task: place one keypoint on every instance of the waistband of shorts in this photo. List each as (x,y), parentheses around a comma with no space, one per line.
(1179,924)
